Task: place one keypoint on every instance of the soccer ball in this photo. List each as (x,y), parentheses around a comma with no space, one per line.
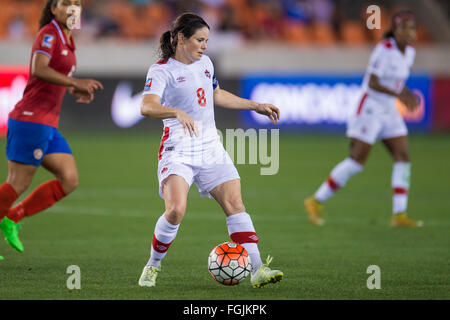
(229,263)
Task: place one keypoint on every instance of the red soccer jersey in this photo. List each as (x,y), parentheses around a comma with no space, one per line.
(41,102)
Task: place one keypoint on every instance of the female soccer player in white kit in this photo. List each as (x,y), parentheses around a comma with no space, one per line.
(376,117)
(182,89)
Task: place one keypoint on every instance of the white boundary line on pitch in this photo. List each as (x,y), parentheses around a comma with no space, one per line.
(150,213)
(193,192)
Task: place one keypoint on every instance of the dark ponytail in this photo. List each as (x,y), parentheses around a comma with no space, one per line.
(166,47)
(187,24)
(47,15)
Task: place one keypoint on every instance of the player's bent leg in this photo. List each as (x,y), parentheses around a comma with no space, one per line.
(341,173)
(229,197)
(239,222)
(175,190)
(400,181)
(397,148)
(19,178)
(242,231)
(359,150)
(64,168)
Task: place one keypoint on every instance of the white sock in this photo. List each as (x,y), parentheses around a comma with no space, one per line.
(164,234)
(242,231)
(338,178)
(401,174)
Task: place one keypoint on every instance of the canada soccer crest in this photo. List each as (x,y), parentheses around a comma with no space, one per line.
(208,74)
(148,84)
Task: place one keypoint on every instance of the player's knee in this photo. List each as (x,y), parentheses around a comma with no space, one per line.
(402,156)
(234,205)
(69,182)
(175,212)
(360,158)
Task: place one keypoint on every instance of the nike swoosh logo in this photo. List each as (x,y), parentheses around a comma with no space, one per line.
(9,97)
(125,108)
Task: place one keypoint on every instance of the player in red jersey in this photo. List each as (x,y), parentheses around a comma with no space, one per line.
(33,138)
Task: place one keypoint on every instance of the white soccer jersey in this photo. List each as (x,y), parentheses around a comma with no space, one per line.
(391,66)
(200,160)
(188,87)
(376,116)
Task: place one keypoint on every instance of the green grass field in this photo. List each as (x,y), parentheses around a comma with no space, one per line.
(106,226)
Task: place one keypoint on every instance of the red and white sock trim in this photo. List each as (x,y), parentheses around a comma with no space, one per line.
(339,176)
(401,173)
(164,235)
(244,237)
(398,190)
(333,184)
(160,247)
(242,231)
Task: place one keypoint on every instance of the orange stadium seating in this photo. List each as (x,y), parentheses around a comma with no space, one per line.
(257,21)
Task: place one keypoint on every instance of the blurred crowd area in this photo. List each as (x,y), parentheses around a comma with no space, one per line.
(303,22)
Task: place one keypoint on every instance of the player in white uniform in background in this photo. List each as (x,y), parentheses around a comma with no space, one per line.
(182,89)
(376,117)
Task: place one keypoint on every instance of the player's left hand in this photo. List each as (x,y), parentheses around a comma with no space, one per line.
(269,110)
(410,99)
(83,97)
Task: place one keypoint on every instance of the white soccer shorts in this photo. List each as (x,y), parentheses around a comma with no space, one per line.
(373,121)
(207,170)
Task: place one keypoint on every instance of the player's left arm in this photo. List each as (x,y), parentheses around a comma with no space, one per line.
(227,100)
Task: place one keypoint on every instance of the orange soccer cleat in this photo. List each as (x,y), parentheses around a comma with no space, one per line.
(401,220)
(314,209)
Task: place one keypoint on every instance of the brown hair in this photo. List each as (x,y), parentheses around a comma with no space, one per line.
(47,15)
(187,24)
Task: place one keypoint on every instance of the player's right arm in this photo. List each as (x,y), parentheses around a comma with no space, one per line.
(406,96)
(374,83)
(40,68)
(152,108)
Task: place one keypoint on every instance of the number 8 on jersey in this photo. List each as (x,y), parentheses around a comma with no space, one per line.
(201,97)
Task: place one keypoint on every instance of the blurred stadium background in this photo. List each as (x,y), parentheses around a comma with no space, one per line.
(305,56)
(321,45)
